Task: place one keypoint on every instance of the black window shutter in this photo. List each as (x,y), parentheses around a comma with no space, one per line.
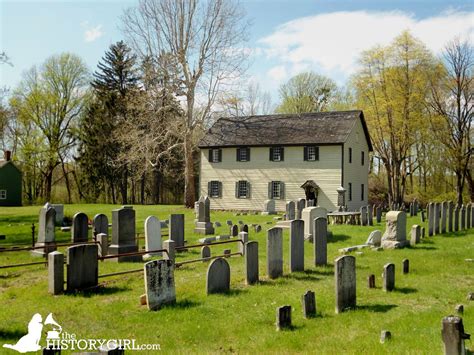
(220,155)
(248,154)
(209,192)
(238,154)
(270,189)
(248,189)
(220,188)
(271,154)
(282,190)
(316,149)
(236,189)
(282,153)
(210,156)
(305,153)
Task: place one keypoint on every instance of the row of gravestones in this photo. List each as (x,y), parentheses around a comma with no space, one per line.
(446,217)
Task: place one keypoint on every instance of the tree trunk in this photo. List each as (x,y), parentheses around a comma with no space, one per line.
(470,185)
(124,187)
(189,190)
(48,184)
(156,185)
(68,187)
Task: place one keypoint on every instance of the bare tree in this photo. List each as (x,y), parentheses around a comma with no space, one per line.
(205,39)
(452,98)
(250,101)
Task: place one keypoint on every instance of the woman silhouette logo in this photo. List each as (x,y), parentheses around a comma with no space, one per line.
(30,341)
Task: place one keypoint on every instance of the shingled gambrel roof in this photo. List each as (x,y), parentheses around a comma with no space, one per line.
(285,129)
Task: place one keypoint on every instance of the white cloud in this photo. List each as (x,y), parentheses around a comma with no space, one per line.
(91,33)
(331,43)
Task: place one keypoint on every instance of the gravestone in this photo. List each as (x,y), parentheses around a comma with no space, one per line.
(468,216)
(244,228)
(374,239)
(229,222)
(176,229)
(415,235)
(46,232)
(463,217)
(205,253)
(423,218)
(217,224)
(308,303)
(412,211)
(308,215)
(300,206)
(169,245)
(55,273)
(437,215)
(423,232)
(59,208)
(82,267)
(80,228)
(406,266)
(371,281)
(395,232)
(218,276)
(283,317)
(444,215)
(269,207)
(123,234)
(415,207)
(203,224)
(251,262)
(385,335)
(274,252)
(152,236)
(320,231)
(389,277)
(370,216)
(290,210)
(103,243)
(296,245)
(456,218)
(450,216)
(345,282)
(378,214)
(431,219)
(244,237)
(472,215)
(234,230)
(258,228)
(363,216)
(100,224)
(159,283)
(453,336)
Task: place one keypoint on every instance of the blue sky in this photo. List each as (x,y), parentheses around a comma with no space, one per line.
(287,36)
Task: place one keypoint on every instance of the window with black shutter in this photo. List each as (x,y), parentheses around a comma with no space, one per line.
(242,189)
(311,153)
(215,189)
(362,192)
(350,155)
(277,153)
(362,158)
(276,190)
(350,192)
(215,155)
(243,154)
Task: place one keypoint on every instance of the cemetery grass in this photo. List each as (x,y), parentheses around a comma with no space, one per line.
(243,320)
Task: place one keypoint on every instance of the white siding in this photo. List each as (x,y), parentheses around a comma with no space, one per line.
(355,172)
(259,171)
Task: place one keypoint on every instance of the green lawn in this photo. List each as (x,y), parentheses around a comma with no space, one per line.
(243,320)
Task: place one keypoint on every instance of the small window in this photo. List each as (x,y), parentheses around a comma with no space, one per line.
(362,192)
(277,154)
(215,155)
(3,194)
(350,155)
(311,153)
(242,189)
(215,189)
(276,190)
(350,191)
(243,154)
(362,158)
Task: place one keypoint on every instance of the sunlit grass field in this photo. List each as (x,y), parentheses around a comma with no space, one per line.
(243,320)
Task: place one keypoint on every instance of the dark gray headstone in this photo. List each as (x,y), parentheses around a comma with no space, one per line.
(389,277)
(406,266)
(450,216)
(371,281)
(283,317)
(274,252)
(296,245)
(205,253)
(82,267)
(176,229)
(456,219)
(218,276)
(100,224)
(203,223)
(251,262)
(345,281)
(290,210)
(80,228)
(234,230)
(468,216)
(463,217)
(444,215)
(123,234)
(159,283)
(437,218)
(453,335)
(431,219)
(308,303)
(378,214)
(300,206)
(320,230)
(370,216)
(363,215)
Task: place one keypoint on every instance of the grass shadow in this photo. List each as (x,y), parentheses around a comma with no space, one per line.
(11,334)
(405,290)
(10,276)
(302,276)
(100,290)
(235,292)
(182,304)
(377,308)
(424,248)
(337,238)
(320,271)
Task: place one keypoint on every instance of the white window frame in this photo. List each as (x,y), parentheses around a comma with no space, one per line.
(242,189)
(276,154)
(214,191)
(3,194)
(276,189)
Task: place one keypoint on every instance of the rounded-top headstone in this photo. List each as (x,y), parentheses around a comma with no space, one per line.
(218,276)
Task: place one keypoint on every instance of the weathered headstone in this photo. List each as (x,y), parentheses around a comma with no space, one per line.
(456,218)
(320,232)
(203,224)
(290,210)
(468,216)
(450,216)
(82,267)
(283,317)
(100,224)
(251,262)
(463,217)
(244,237)
(217,224)
(169,245)
(103,243)
(437,215)
(423,232)
(374,239)
(123,234)
(431,219)
(378,214)
(218,276)
(406,266)
(453,336)
(300,206)
(411,207)
(308,303)
(159,283)
(229,222)
(59,208)
(308,215)
(415,234)
(234,230)
(363,215)
(389,277)
(55,273)
(152,236)
(345,282)
(244,228)
(296,245)
(46,235)
(274,252)
(385,335)
(395,232)
(258,228)
(80,228)
(423,218)
(269,207)
(444,215)
(176,229)
(205,253)
(371,281)
(370,216)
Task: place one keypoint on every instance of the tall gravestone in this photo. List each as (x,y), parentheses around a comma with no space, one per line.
(159,283)
(378,214)
(203,224)
(320,231)
(290,210)
(415,234)
(389,277)
(251,262)
(395,232)
(46,234)
(468,216)
(363,215)
(296,245)
(152,236)
(300,206)
(345,282)
(370,216)
(269,207)
(431,219)
(450,216)
(308,303)
(176,229)
(283,317)
(308,215)
(472,215)
(453,336)
(444,215)
(463,217)
(80,228)
(244,237)
(456,218)
(82,267)
(123,234)
(55,273)
(59,208)
(274,252)
(437,215)
(100,225)
(218,276)
(234,230)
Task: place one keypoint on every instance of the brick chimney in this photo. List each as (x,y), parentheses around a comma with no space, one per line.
(8,155)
